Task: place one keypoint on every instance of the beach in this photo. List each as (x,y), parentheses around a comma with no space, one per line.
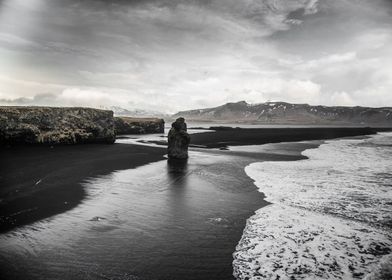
(222,136)
(123,211)
(195,140)
(329,217)
(40,181)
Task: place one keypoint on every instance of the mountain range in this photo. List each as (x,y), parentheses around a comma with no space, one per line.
(288,113)
(137,113)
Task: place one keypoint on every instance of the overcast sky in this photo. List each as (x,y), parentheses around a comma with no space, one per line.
(181,54)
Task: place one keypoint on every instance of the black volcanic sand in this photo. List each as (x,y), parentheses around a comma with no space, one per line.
(40,181)
(162,220)
(224,137)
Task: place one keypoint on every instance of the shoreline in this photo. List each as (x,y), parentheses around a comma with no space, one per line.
(38,182)
(228,201)
(186,221)
(224,137)
(299,204)
(239,137)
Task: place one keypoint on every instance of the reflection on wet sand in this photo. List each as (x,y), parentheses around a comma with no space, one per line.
(177,168)
(166,220)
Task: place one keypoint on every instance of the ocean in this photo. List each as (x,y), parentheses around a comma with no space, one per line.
(330,215)
(326,217)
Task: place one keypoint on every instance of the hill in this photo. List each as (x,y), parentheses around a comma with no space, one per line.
(288,113)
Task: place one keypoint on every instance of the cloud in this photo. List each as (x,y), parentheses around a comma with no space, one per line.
(328,60)
(174,55)
(70,97)
(42,99)
(12,40)
(342,98)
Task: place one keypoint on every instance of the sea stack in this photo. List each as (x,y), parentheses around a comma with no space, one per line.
(178,140)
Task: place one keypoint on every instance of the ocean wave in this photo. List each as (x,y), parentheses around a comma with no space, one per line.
(331,217)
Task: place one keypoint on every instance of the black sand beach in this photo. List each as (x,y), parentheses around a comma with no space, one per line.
(158,221)
(238,136)
(40,181)
(221,137)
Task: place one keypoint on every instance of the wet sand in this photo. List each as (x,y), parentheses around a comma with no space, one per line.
(223,137)
(37,182)
(162,220)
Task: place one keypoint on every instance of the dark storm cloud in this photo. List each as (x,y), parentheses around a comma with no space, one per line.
(172,55)
(333,25)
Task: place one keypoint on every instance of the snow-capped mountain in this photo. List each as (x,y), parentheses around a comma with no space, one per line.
(119,111)
(287,113)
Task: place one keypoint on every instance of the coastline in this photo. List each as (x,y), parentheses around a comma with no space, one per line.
(324,220)
(185,220)
(191,236)
(210,203)
(258,136)
(223,137)
(38,182)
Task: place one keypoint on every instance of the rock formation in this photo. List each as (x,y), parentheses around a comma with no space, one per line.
(49,125)
(128,125)
(178,140)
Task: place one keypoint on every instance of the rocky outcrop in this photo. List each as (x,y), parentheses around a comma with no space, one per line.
(178,140)
(287,113)
(50,125)
(128,125)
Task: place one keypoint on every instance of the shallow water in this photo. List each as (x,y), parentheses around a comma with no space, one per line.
(331,216)
(159,221)
(183,221)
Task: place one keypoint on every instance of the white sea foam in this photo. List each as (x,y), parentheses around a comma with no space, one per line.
(331,215)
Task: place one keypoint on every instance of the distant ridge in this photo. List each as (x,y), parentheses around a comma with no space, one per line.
(119,111)
(288,113)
